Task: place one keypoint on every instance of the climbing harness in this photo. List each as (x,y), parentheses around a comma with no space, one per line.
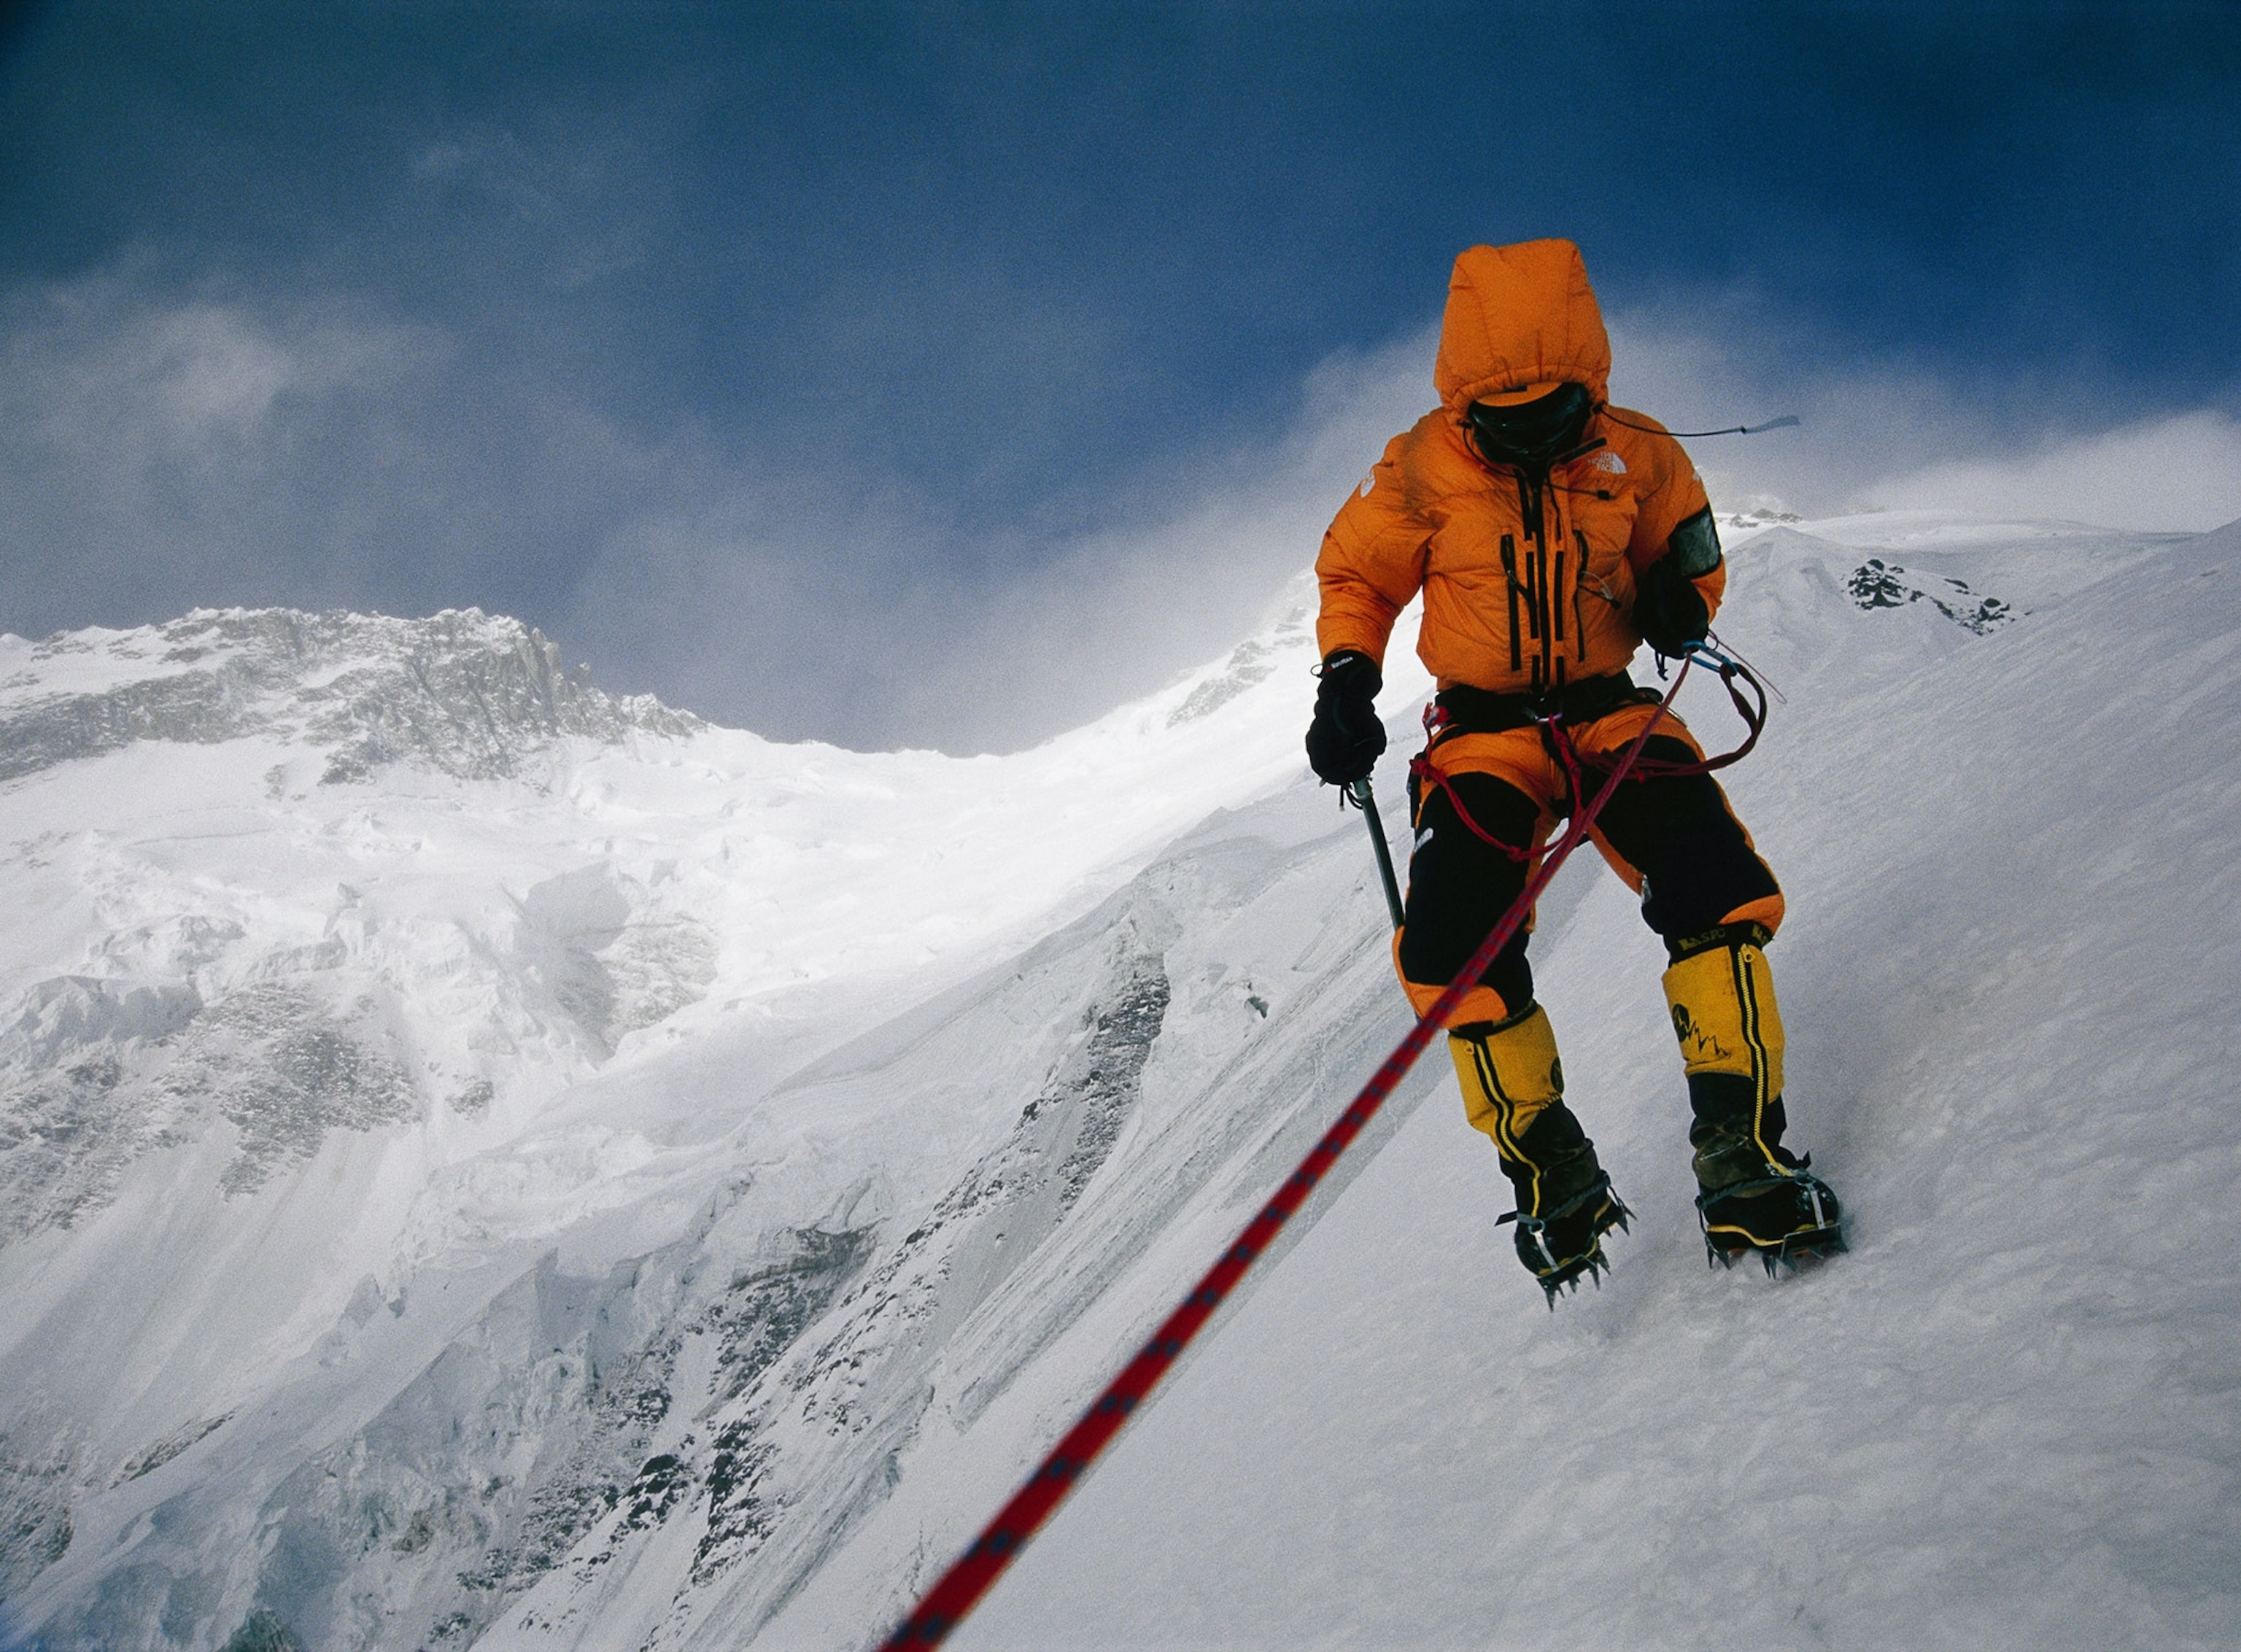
(1474,712)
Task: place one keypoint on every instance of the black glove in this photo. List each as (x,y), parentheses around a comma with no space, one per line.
(1344,740)
(1668,610)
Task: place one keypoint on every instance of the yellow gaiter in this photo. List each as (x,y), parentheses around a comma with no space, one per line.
(1725,1017)
(1510,1073)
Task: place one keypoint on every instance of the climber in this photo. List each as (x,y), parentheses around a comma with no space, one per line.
(1551,535)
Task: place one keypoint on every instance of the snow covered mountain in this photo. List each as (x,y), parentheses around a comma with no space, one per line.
(483,1161)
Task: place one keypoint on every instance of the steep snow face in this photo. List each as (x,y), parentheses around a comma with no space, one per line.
(225,918)
(627,1183)
(2008,1418)
(362,963)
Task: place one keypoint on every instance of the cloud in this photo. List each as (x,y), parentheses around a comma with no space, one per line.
(2181,474)
(1716,361)
(160,450)
(1886,434)
(91,374)
(588,203)
(852,614)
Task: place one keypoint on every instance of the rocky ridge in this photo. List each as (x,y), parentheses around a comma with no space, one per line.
(463,693)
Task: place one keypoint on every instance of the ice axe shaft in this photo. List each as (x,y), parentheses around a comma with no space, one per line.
(1367,801)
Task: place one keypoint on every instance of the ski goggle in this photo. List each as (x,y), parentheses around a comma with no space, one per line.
(1532,432)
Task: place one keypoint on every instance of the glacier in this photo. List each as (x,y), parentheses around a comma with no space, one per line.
(487,1162)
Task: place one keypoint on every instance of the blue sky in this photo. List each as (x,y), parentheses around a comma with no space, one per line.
(941,374)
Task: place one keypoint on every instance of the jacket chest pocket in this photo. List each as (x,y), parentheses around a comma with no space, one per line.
(1466,543)
(1599,529)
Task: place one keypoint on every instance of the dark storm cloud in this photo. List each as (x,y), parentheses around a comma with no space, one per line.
(941,374)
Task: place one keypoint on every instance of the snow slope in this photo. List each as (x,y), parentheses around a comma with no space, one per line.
(485,1162)
(2011,1417)
(356,1092)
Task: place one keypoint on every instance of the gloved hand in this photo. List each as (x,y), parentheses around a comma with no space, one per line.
(1668,610)
(1344,740)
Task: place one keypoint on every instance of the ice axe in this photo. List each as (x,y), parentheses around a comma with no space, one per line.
(1365,800)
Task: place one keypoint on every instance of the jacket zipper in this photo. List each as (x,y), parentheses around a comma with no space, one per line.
(1510,569)
(1536,624)
(1544,672)
(1579,614)
(1552,592)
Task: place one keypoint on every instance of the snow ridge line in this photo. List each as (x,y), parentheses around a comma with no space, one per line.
(972,1574)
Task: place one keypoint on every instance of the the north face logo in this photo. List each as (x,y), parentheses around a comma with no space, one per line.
(1609,461)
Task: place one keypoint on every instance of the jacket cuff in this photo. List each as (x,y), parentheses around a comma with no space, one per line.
(1340,636)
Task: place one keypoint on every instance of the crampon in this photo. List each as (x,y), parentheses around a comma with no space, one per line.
(1567,1242)
(1784,1216)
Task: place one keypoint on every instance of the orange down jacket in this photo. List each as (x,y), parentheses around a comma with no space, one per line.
(1510,604)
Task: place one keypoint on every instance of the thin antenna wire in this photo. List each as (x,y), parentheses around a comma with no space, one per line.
(1784,423)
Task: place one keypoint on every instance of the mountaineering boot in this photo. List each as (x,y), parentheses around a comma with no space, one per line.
(1753,1194)
(1565,1204)
(1512,1087)
(1757,1196)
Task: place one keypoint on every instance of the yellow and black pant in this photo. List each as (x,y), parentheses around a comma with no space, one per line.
(1674,840)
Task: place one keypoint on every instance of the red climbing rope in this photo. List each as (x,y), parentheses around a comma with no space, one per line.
(960,1589)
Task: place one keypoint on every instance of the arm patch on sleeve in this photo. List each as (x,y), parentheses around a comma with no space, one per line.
(1694,547)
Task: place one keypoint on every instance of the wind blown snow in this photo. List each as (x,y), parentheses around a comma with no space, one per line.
(483,1161)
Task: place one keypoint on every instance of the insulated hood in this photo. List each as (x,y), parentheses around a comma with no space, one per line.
(1520,316)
